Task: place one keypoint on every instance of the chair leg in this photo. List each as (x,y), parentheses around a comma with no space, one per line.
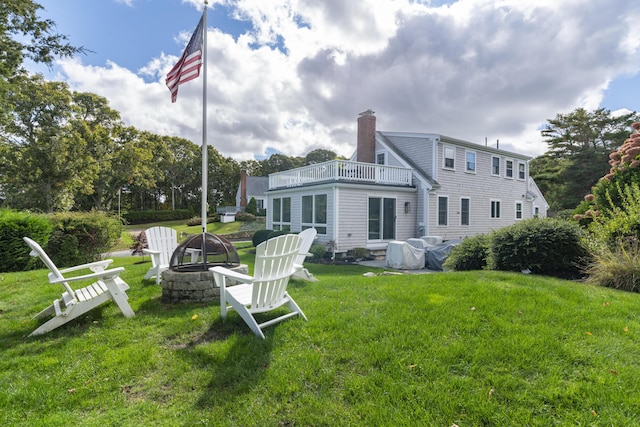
(119,297)
(51,324)
(294,307)
(49,311)
(250,321)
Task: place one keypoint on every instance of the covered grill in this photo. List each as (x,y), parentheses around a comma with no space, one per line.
(217,250)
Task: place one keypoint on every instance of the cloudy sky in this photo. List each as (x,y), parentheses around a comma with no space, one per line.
(291,76)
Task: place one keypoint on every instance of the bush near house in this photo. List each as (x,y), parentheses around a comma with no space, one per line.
(245,217)
(545,246)
(252,207)
(542,246)
(470,254)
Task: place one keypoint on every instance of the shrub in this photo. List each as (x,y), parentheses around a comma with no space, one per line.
(617,268)
(621,221)
(245,217)
(142,217)
(542,246)
(197,220)
(470,254)
(359,253)
(95,233)
(14,252)
(260,236)
(252,207)
(318,251)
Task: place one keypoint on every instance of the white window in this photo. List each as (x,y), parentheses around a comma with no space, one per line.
(314,213)
(508,171)
(536,211)
(521,170)
(518,210)
(470,161)
(495,209)
(380,158)
(495,165)
(282,214)
(443,210)
(449,157)
(464,211)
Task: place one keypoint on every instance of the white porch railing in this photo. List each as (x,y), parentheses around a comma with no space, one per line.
(341,170)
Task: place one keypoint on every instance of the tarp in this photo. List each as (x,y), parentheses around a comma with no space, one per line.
(403,256)
(436,255)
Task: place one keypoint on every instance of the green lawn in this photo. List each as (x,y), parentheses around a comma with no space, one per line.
(472,349)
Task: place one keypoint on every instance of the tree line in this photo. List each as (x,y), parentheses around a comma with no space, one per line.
(64,150)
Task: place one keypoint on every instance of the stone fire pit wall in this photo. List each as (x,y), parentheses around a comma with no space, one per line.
(193,287)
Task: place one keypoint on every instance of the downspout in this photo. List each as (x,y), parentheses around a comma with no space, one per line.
(425,212)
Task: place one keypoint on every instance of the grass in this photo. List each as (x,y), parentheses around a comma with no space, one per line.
(472,349)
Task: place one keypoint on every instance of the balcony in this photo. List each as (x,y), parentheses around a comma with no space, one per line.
(341,170)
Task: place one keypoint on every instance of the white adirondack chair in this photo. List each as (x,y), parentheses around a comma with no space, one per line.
(267,289)
(73,303)
(307,236)
(162,242)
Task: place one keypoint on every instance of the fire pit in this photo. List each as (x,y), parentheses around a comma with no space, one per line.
(188,279)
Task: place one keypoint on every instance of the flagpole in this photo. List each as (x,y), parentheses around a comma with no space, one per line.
(204,124)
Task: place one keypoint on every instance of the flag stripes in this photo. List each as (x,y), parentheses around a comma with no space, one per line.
(188,67)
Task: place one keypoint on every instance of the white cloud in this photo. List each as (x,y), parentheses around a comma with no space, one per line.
(473,69)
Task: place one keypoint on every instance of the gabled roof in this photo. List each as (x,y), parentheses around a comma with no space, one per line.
(401,144)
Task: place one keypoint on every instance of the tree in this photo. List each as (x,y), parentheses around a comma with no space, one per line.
(279,163)
(579,144)
(40,140)
(181,184)
(319,156)
(23,35)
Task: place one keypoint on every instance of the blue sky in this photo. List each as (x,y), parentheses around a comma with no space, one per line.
(292,76)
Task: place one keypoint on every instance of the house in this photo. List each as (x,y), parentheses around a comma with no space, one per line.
(251,186)
(401,185)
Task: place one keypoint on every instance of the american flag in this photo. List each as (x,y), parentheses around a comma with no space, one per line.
(188,67)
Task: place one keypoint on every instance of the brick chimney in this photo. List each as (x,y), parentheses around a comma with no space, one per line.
(366,148)
(243,188)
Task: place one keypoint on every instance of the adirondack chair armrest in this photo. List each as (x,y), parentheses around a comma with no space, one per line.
(232,274)
(96,266)
(151,252)
(98,274)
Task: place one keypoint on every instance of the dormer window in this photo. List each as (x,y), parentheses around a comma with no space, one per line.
(449,157)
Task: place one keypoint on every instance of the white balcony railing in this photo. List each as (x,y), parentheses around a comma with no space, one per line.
(341,170)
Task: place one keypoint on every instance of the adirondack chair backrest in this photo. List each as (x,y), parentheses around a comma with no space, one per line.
(36,250)
(163,239)
(307,237)
(274,265)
